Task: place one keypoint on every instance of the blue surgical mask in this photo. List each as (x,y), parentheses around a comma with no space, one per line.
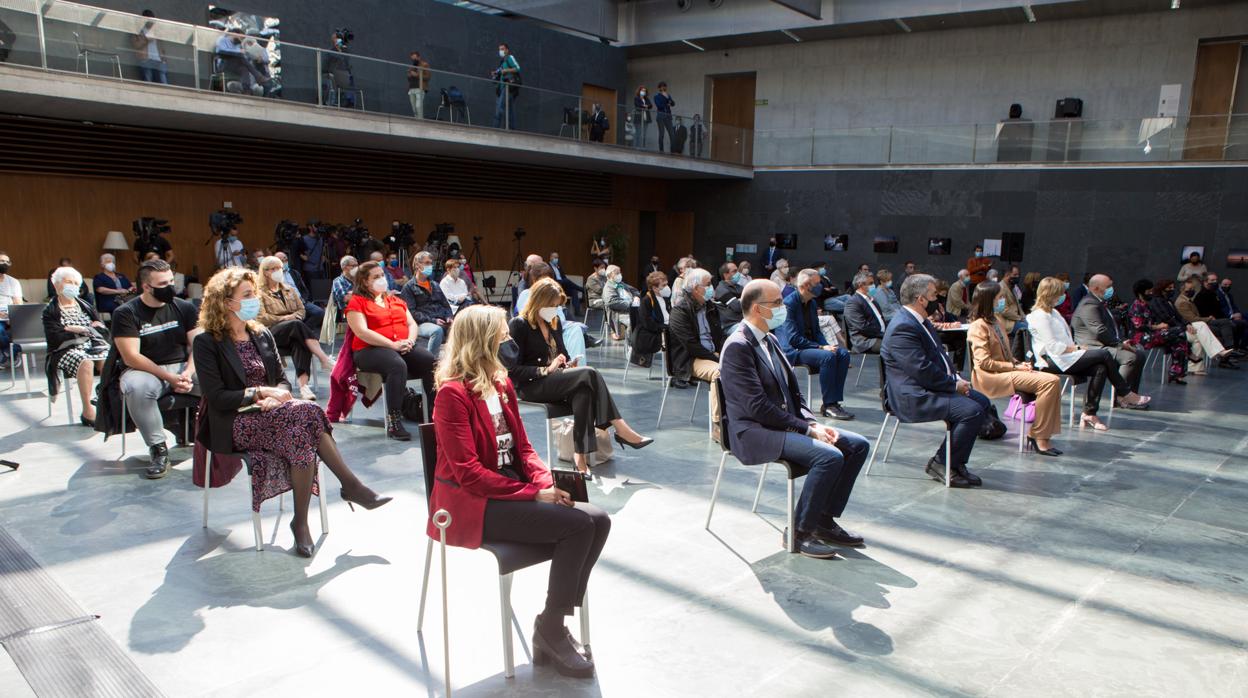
(249,309)
(286,266)
(979,254)
(1065,286)
(736,277)
(70,291)
(999,306)
(1109,293)
(778,316)
(888,284)
(427,270)
(823,271)
(1060,299)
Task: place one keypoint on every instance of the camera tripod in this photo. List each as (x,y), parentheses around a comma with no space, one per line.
(517,267)
(473,259)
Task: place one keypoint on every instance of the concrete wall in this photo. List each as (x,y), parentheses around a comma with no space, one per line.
(1131,223)
(1116,64)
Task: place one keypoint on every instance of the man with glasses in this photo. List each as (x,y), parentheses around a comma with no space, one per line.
(804,343)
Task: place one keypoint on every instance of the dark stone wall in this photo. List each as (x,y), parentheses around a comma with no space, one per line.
(1130,223)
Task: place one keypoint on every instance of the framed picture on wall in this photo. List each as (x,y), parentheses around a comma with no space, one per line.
(835,243)
(1189,249)
(939,245)
(884,244)
(786,241)
(1237,259)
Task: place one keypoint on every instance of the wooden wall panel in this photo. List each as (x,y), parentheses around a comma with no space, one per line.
(673,237)
(1213,88)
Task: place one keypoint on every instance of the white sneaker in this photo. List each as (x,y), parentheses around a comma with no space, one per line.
(305,393)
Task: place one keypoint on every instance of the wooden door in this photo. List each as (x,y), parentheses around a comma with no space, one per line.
(732,118)
(1213,90)
(593,94)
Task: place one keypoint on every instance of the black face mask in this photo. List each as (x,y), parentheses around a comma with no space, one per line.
(164,294)
(4,268)
(933,306)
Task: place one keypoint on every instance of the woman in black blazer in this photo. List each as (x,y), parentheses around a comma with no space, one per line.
(77,340)
(656,307)
(537,363)
(248,407)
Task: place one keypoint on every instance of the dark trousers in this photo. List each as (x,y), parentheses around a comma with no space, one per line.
(1130,365)
(314,315)
(292,338)
(833,471)
(956,342)
(586,391)
(573,291)
(664,121)
(396,369)
(1098,366)
(832,366)
(578,533)
(966,415)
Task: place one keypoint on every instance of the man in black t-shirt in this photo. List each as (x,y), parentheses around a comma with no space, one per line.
(153,335)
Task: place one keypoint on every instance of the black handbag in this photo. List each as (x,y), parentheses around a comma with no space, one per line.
(413,406)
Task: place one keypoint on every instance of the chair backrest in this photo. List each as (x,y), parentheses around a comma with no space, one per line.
(319,289)
(26,322)
(723,415)
(428,456)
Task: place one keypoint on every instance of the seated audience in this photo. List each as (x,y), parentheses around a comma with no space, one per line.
(728,296)
(863,317)
(1011,316)
(396,270)
(1193,267)
(525,280)
(313,314)
(948,327)
(652,320)
(77,340)
(343,284)
(284,437)
(923,386)
(594,286)
(910,269)
(1200,336)
(1209,303)
(538,364)
(576,337)
(789,279)
(497,489)
(1148,332)
(152,335)
(804,343)
(830,298)
(959,301)
(1076,295)
(454,286)
(570,288)
(111,288)
(778,277)
(678,281)
(622,300)
(10,294)
(385,343)
(1067,307)
(768,420)
(697,334)
(995,373)
(281,312)
(1028,297)
(83,293)
(744,269)
(884,296)
(1054,349)
(424,299)
(392,284)
(1185,305)
(1095,327)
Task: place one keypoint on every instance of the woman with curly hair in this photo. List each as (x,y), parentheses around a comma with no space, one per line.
(248,406)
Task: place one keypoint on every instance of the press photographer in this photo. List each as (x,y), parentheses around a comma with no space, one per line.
(338,78)
(228,248)
(359,240)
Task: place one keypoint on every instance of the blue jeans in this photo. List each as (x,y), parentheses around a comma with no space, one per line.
(432,332)
(833,470)
(154,71)
(836,304)
(832,366)
(966,415)
(4,342)
(505,108)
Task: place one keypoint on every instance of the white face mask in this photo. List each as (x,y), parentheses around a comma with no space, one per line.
(666,292)
(351,272)
(277,275)
(502,53)
(643,93)
(379,285)
(110,267)
(548,314)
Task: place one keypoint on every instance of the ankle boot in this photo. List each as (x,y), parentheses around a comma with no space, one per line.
(394,426)
(552,643)
(159,465)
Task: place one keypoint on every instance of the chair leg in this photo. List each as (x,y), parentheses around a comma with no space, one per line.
(207,484)
(697,388)
(878,440)
(504,598)
(628,353)
(549,438)
(759,492)
(424,585)
(792,539)
(666,386)
(123,426)
(862,361)
(948,455)
(891,439)
(1113,397)
(715,490)
(26,369)
(321,499)
(585,623)
(69,401)
(255,525)
(1022,427)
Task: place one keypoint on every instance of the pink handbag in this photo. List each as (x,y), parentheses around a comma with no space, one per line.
(1016,404)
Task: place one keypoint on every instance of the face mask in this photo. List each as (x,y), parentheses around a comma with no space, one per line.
(285,266)
(999,306)
(548,314)
(933,306)
(888,284)
(666,292)
(276,275)
(4,268)
(427,270)
(736,277)
(823,271)
(1060,299)
(70,292)
(164,294)
(110,267)
(643,93)
(979,254)
(379,285)
(393,262)
(1109,293)
(249,309)
(454,273)
(816,290)
(554,260)
(966,281)
(603,274)
(1065,285)
(351,272)
(778,316)
(502,54)
(655,261)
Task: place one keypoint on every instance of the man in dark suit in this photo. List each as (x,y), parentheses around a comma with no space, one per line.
(570,288)
(923,386)
(1212,302)
(768,420)
(1094,327)
(771,256)
(803,342)
(696,336)
(654,266)
(1078,292)
(598,124)
(728,296)
(863,317)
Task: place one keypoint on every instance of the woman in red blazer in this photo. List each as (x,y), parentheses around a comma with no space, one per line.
(497,489)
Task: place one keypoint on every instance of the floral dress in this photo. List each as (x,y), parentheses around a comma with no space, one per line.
(1173,339)
(278,440)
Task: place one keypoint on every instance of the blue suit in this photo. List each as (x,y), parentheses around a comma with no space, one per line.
(922,384)
(768,420)
(803,342)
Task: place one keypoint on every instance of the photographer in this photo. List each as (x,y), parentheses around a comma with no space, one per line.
(229,249)
(338,75)
(417,84)
(149,237)
(508,76)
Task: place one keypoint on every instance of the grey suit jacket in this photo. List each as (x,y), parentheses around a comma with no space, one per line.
(1092,324)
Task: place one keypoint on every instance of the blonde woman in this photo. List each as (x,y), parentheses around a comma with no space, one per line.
(495,486)
(281,310)
(248,406)
(538,364)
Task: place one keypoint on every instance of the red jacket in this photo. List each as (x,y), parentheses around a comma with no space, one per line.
(467,471)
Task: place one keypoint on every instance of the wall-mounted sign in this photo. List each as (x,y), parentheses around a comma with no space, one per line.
(760,102)
(746,249)
(1168,103)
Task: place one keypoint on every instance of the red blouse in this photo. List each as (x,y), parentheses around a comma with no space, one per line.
(390,321)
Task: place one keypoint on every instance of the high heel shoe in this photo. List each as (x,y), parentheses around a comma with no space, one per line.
(365,498)
(300,549)
(640,444)
(86,422)
(559,651)
(1090,420)
(1050,451)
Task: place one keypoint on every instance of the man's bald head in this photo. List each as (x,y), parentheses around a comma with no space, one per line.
(1098,283)
(532,259)
(756,292)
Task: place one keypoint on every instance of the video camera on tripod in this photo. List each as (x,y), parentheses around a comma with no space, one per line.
(286,235)
(147,232)
(401,236)
(221,222)
(356,233)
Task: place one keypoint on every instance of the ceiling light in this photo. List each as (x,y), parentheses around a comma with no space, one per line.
(904,27)
(791,35)
(686,41)
(1174,4)
(1031,16)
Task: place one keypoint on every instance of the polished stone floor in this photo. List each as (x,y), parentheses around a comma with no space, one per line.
(1116,570)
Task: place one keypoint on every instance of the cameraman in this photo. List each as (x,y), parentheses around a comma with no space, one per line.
(229,249)
(337,68)
(417,83)
(508,76)
(312,254)
(153,241)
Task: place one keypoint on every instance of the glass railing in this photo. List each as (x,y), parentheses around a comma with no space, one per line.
(1151,139)
(69,37)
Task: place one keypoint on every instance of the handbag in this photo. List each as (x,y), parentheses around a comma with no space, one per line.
(563,429)
(413,406)
(1016,404)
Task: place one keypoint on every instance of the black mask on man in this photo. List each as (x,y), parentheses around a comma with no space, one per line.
(4,268)
(164,294)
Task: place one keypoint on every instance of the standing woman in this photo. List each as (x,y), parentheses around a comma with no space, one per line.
(538,363)
(1149,331)
(248,407)
(281,310)
(497,489)
(651,320)
(643,109)
(76,339)
(599,249)
(385,342)
(995,373)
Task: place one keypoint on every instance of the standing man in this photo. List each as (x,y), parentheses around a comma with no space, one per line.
(508,76)
(312,253)
(771,256)
(152,65)
(978,265)
(663,104)
(769,421)
(922,385)
(417,83)
(598,124)
(803,342)
(1094,326)
(570,287)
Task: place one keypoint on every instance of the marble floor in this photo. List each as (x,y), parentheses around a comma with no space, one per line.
(1116,570)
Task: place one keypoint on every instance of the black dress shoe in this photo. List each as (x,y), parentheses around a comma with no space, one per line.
(1050,451)
(835,535)
(592,341)
(159,466)
(970,477)
(678,383)
(835,411)
(639,445)
(811,546)
(936,470)
(1228,364)
(553,645)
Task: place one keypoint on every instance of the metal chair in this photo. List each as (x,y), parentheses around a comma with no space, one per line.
(889,414)
(70,384)
(862,363)
(792,470)
(628,354)
(1070,382)
(172,402)
(451,105)
(510,557)
(554,410)
(26,329)
(697,388)
(86,52)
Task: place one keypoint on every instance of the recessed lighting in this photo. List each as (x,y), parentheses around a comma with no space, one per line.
(692,44)
(791,35)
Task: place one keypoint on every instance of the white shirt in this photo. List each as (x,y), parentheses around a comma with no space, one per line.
(455,289)
(762,342)
(10,292)
(153,50)
(1050,337)
(875,310)
(232,258)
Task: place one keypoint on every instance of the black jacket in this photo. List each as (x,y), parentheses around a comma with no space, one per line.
(223,383)
(61,340)
(425,306)
(648,337)
(728,298)
(686,344)
(598,125)
(528,352)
